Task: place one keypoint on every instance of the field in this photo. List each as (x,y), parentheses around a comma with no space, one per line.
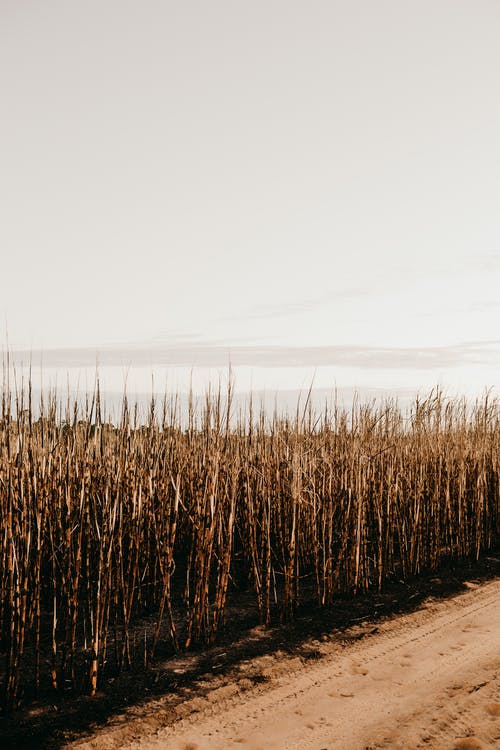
(124,542)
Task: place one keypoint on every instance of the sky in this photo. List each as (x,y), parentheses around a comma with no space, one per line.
(306,190)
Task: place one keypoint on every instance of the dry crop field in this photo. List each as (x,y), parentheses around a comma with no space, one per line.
(104,525)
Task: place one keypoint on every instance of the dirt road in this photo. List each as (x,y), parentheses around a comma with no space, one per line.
(430,679)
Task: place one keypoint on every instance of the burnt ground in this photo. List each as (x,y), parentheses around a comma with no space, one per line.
(54,720)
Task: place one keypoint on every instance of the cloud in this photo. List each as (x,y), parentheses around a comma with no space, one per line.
(215,354)
(487,261)
(283,310)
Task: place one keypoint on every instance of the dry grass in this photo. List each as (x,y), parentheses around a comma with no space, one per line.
(100,524)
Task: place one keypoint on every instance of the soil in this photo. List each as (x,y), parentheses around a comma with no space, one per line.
(416,666)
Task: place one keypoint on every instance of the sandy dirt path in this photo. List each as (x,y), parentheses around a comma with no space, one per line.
(430,679)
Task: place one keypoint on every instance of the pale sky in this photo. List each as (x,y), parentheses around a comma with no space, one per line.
(298,187)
